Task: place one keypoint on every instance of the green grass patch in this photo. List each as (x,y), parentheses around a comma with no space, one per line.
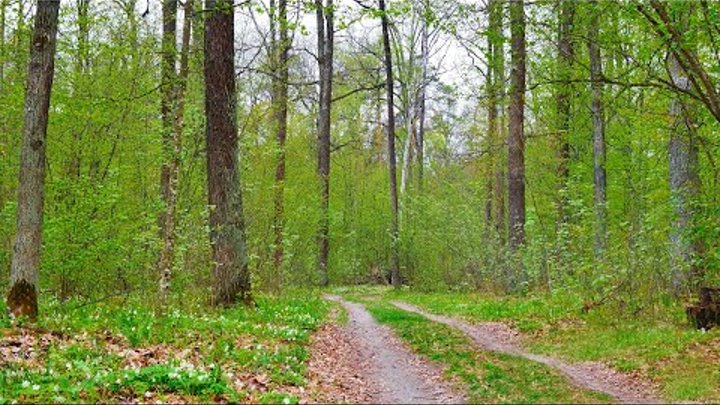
(88,363)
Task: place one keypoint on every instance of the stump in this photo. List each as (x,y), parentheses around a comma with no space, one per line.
(706,313)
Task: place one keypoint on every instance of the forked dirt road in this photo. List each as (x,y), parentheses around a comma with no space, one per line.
(364,362)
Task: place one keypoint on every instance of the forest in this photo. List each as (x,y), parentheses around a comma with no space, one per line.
(359,201)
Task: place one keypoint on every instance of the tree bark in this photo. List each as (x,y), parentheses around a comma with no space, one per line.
(498,67)
(598,131)
(421,99)
(326,34)
(684,178)
(280,51)
(392,162)
(516,130)
(3,8)
(167,109)
(175,90)
(24,270)
(566,57)
(227,225)
(495,182)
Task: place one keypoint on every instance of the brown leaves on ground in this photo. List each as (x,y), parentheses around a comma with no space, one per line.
(25,347)
(335,369)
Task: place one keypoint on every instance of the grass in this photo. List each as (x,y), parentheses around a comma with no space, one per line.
(487,377)
(193,354)
(657,343)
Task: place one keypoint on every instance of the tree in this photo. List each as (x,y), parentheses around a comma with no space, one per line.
(24,270)
(227,224)
(495,186)
(173,117)
(516,132)
(422,96)
(392,163)
(566,58)
(325,40)
(3,9)
(516,135)
(684,179)
(168,176)
(598,130)
(688,77)
(280,55)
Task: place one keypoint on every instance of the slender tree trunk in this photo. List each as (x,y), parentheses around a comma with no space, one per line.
(176,87)
(408,148)
(516,135)
(684,178)
(24,270)
(19,38)
(83,23)
(392,163)
(566,57)
(421,98)
(227,224)
(3,8)
(498,77)
(598,131)
(82,63)
(516,132)
(167,109)
(410,89)
(326,34)
(492,86)
(281,49)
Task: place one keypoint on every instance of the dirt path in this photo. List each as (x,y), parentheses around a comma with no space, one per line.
(498,337)
(390,372)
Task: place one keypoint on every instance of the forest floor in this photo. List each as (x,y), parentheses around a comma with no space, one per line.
(366,345)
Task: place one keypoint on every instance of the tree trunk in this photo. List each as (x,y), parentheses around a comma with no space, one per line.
(498,77)
(167,108)
(227,225)
(392,163)
(421,98)
(495,181)
(83,23)
(684,179)
(325,27)
(408,148)
(24,271)
(176,87)
(566,56)
(280,51)
(3,8)
(598,131)
(516,135)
